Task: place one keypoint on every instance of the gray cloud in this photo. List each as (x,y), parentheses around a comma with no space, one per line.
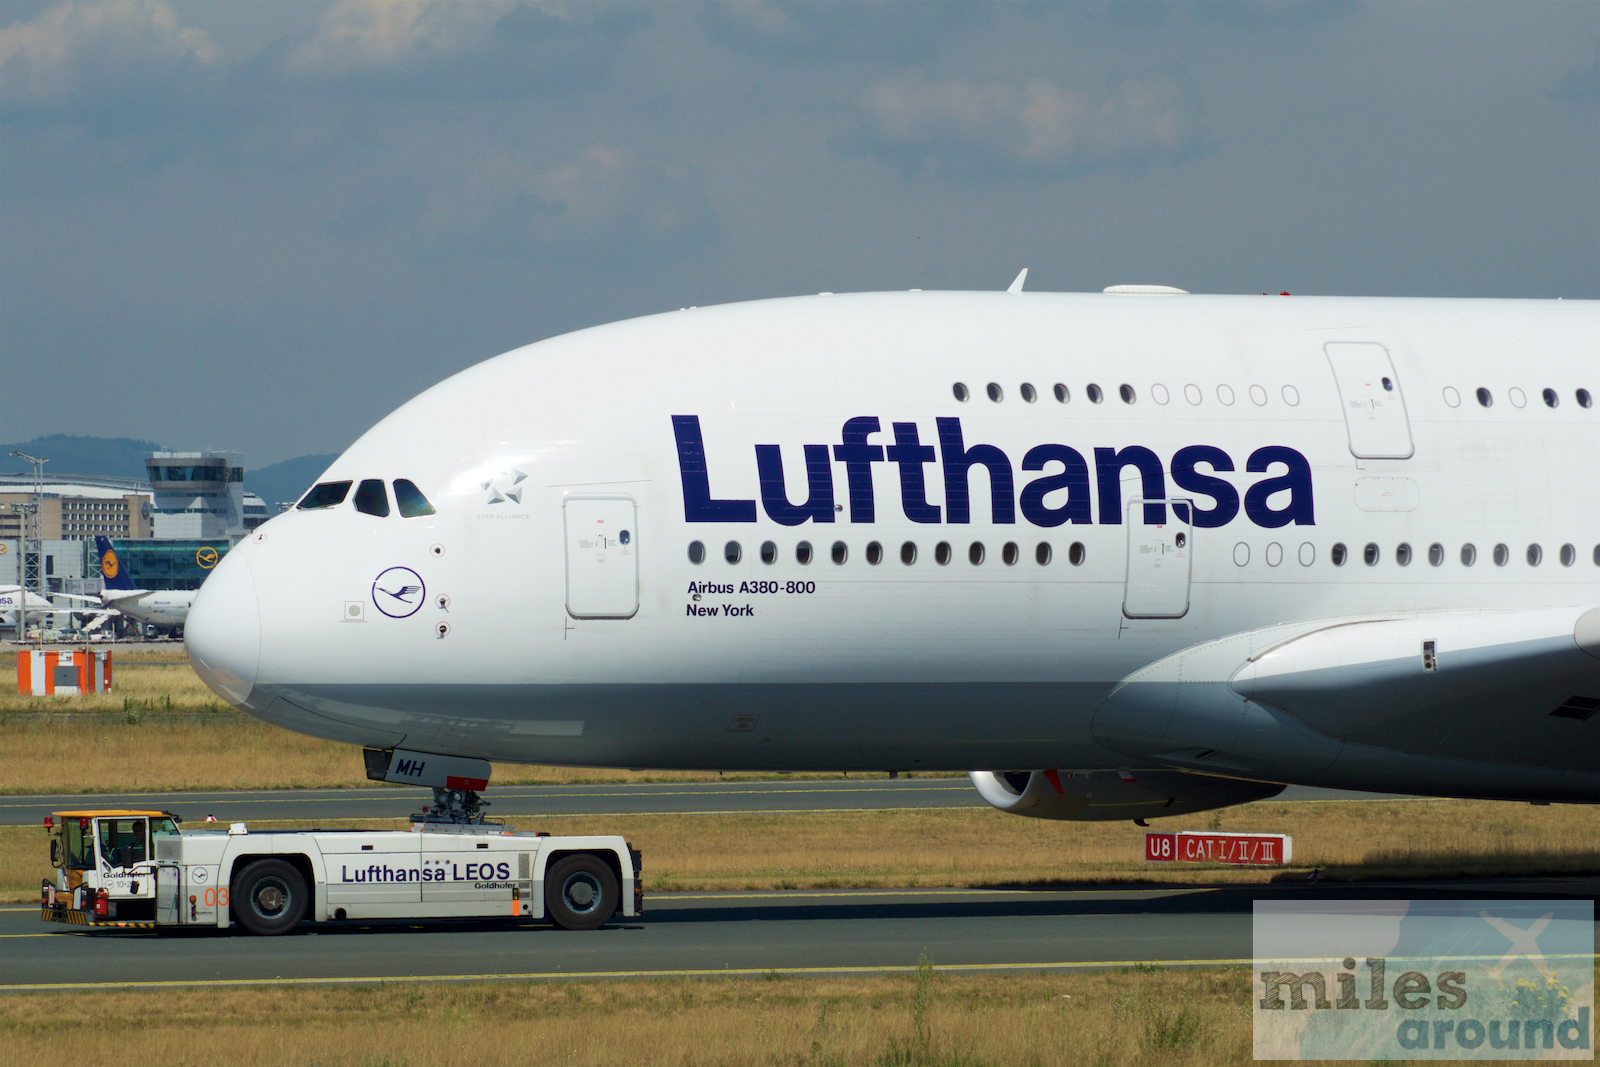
(1581,83)
(831,30)
(603,204)
(1035,128)
(67,50)
(446,49)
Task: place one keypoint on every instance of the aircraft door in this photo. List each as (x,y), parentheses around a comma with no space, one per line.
(1369,392)
(1160,553)
(602,535)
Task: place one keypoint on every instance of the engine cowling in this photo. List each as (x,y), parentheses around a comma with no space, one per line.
(1106,796)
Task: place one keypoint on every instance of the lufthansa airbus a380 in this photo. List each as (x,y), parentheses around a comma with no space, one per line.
(1121,555)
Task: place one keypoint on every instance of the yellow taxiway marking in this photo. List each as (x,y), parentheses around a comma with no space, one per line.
(533,976)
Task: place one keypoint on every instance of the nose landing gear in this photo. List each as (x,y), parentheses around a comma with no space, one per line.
(455,781)
(460,807)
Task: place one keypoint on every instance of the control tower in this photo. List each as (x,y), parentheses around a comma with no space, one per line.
(198,495)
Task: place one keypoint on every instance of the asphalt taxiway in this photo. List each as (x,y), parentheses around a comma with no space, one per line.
(512,801)
(728,934)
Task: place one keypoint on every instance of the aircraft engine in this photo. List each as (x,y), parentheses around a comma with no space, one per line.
(1105,796)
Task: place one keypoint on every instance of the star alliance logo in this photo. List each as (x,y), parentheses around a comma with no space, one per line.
(507,485)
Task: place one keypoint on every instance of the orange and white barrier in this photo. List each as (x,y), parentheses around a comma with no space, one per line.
(68,672)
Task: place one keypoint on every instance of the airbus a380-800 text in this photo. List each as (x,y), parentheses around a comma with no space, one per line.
(1119,555)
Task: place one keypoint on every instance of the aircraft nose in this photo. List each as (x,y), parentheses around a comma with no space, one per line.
(222,634)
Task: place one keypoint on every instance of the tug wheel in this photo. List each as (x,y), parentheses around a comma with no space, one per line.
(268,897)
(580,892)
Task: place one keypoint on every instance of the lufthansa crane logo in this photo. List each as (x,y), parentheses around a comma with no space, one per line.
(398,592)
(108,564)
(206,558)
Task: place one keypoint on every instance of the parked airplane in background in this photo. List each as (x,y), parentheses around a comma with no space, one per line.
(37,607)
(1121,555)
(161,609)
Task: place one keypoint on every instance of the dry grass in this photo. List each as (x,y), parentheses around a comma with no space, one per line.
(162,730)
(981,847)
(1130,1017)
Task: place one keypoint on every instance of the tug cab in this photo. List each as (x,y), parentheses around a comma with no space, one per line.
(103,859)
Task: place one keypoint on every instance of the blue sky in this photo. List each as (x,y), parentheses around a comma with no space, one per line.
(263,226)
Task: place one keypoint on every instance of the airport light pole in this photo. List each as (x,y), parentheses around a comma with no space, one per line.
(32,548)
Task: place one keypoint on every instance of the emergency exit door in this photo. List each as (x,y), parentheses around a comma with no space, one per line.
(602,557)
(1160,551)
(1369,392)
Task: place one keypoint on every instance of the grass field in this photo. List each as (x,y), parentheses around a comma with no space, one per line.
(162,730)
(982,847)
(1131,1017)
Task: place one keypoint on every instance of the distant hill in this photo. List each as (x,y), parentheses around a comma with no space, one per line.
(287,480)
(123,457)
(94,457)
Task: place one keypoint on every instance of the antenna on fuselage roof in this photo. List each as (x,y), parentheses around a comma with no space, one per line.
(1016,286)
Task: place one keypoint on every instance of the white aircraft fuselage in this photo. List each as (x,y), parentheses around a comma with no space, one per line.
(1257,538)
(168,608)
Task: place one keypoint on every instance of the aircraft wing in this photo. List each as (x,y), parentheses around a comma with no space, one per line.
(1491,687)
(76,596)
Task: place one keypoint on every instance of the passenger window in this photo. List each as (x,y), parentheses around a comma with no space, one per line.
(1469,555)
(1584,400)
(1551,398)
(1435,555)
(975,553)
(325,495)
(1191,393)
(1502,555)
(1127,393)
(1225,394)
(1093,393)
(1370,554)
(942,553)
(1027,393)
(1041,555)
(1337,555)
(960,392)
(1485,398)
(769,553)
(1077,554)
(1535,555)
(1402,554)
(409,499)
(697,552)
(1569,555)
(371,498)
(841,552)
(1010,554)
(1063,394)
(908,553)
(995,392)
(732,552)
(874,553)
(802,553)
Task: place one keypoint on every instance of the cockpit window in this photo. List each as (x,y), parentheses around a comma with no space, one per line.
(410,500)
(371,499)
(324,495)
